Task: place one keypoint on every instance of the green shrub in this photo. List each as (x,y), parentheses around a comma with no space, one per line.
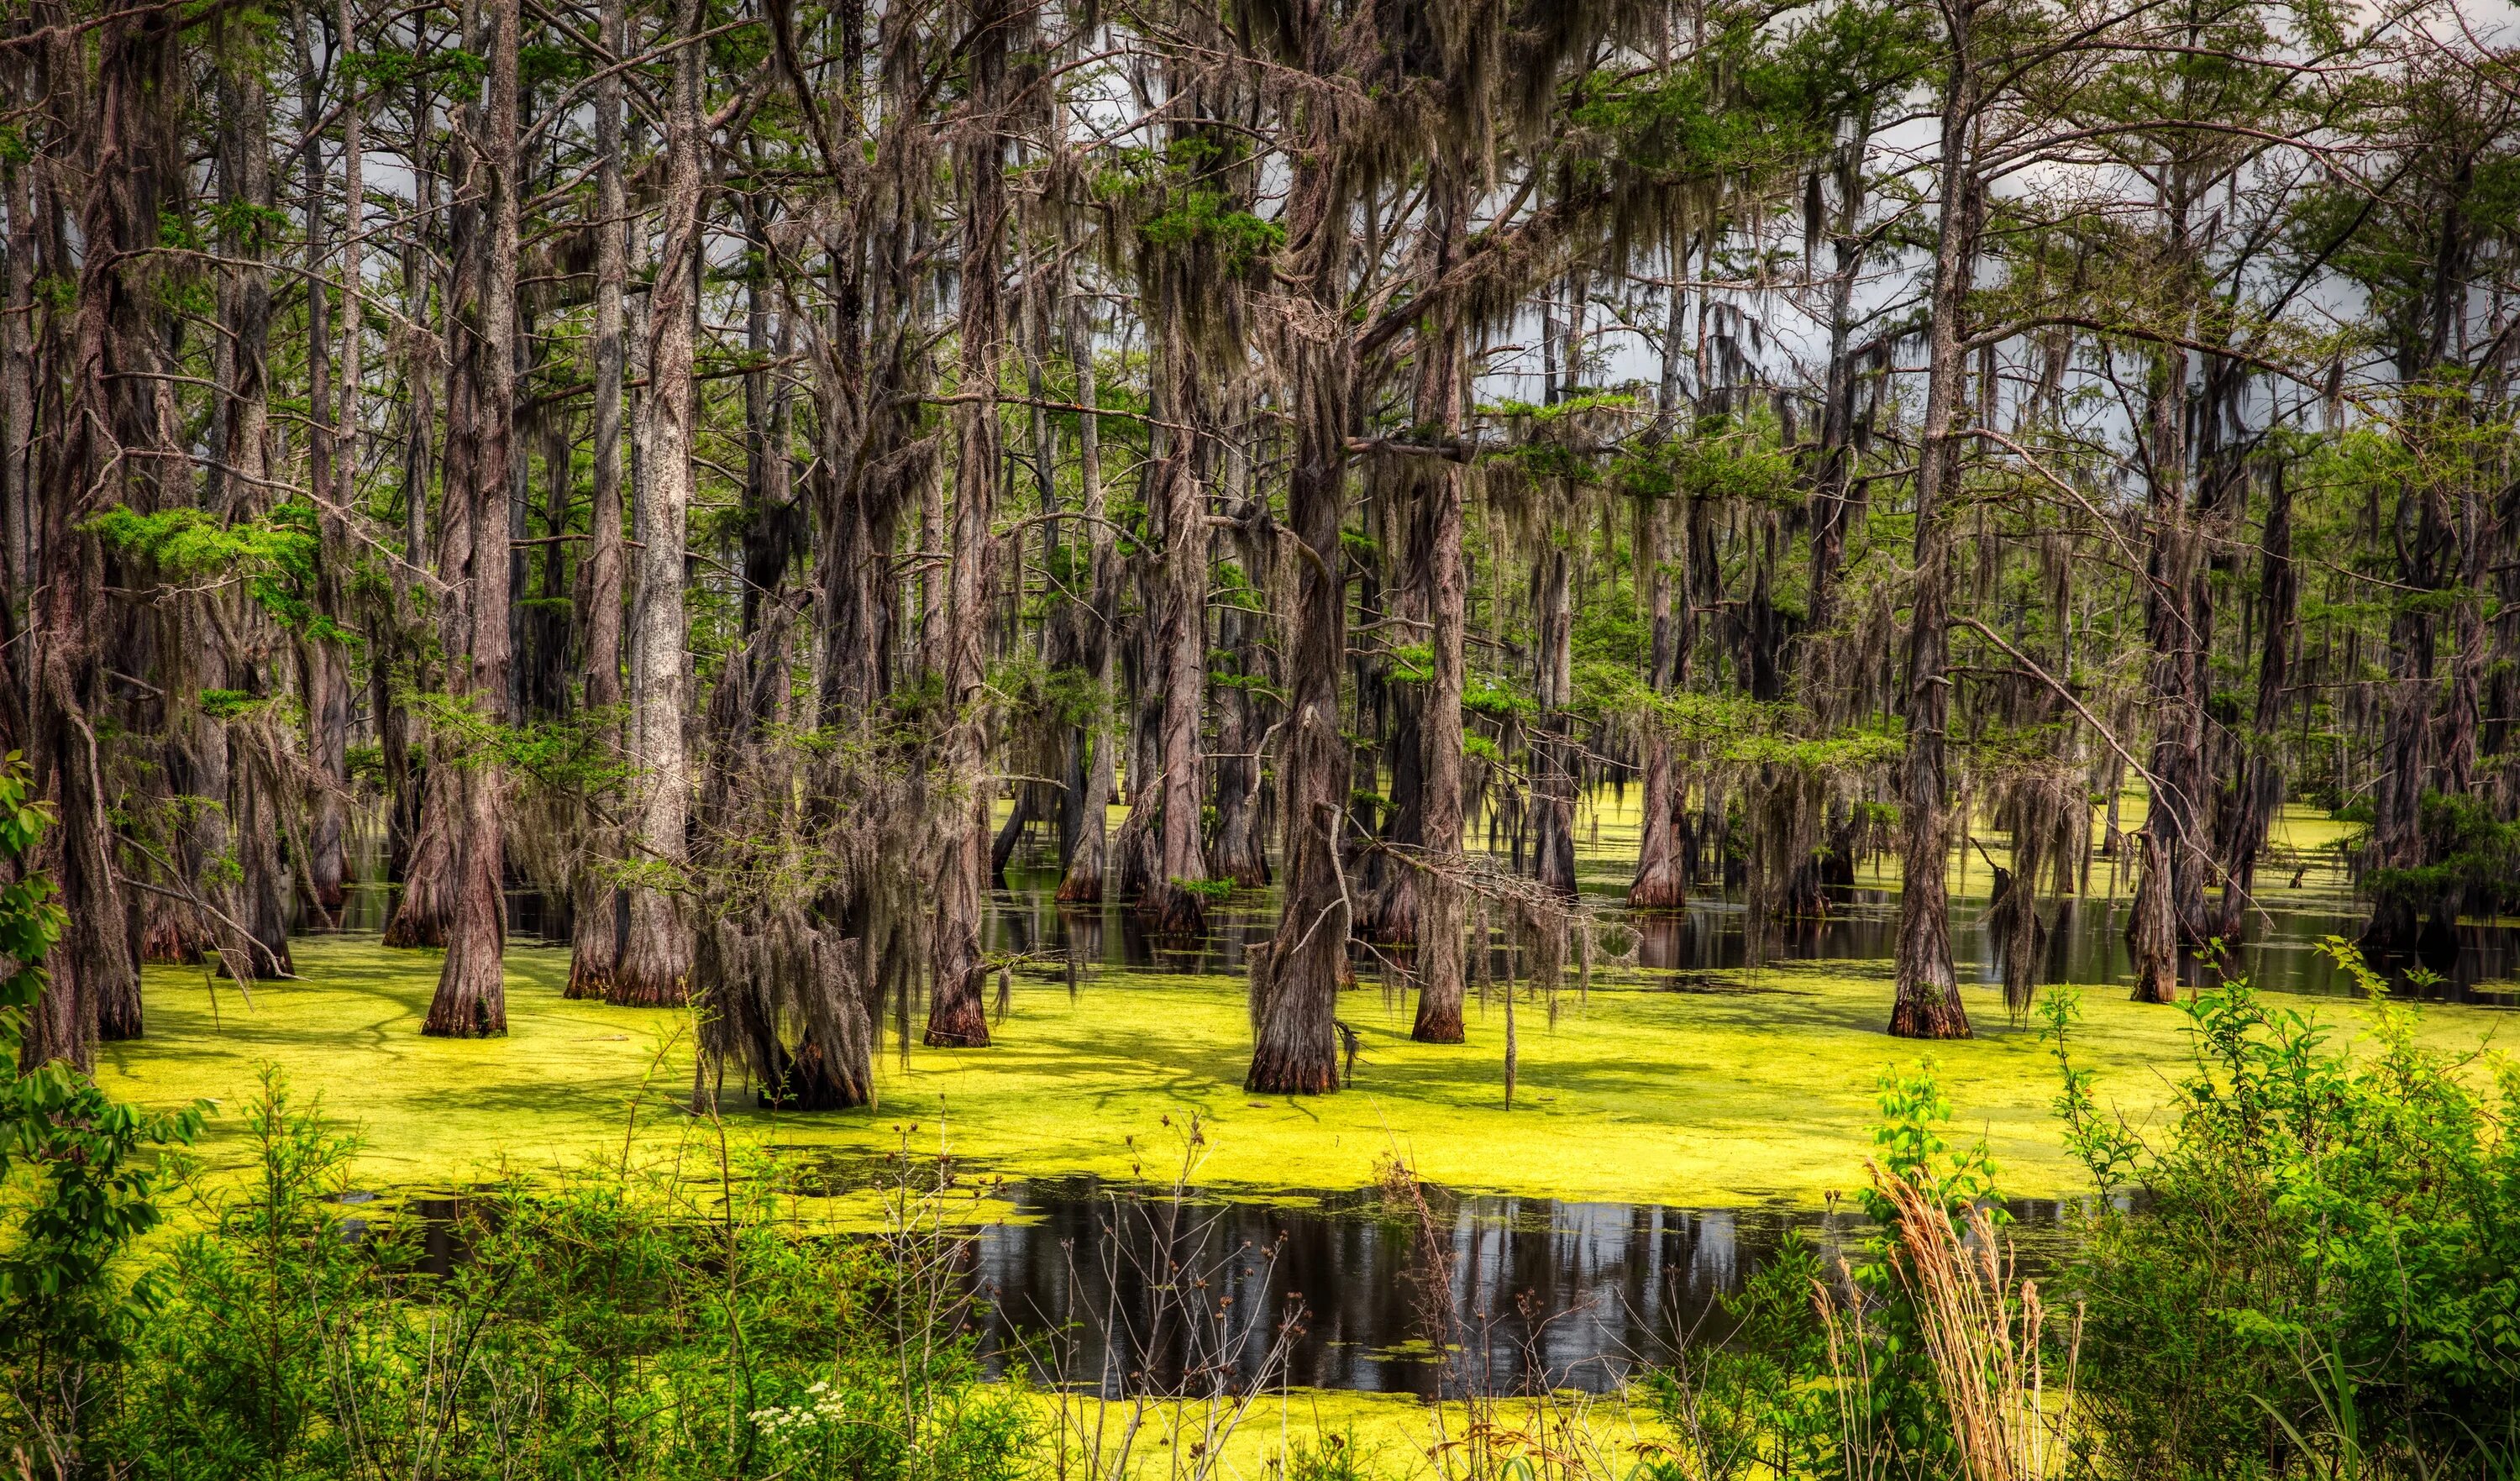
(607,1322)
(2321,1251)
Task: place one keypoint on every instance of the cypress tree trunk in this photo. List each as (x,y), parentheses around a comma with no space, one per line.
(2151,930)
(1295,982)
(1661,883)
(426,904)
(1241,854)
(2175,581)
(127,125)
(234,636)
(956,1011)
(1181,634)
(1928,1000)
(2259,788)
(323,671)
(1082,884)
(1442,377)
(1440,920)
(1553,779)
(472,999)
(655,963)
(596,904)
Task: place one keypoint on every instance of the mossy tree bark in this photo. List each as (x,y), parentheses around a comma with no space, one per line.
(656,960)
(595,944)
(472,999)
(957,1013)
(1927,1004)
(1295,985)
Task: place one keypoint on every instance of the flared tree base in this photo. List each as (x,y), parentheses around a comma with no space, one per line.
(466,1011)
(956,1019)
(1170,910)
(1438,1024)
(1659,887)
(814,1082)
(629,989)
(414,931)
(1293,1070)
(1929,1015)
(2155,987)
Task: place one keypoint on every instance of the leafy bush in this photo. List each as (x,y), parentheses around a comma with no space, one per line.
(601,1324)
(2323,1252)
(82,1176)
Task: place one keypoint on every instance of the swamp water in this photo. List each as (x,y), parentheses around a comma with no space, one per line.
(1106,1286)
(1355,1291)
(1111,1288)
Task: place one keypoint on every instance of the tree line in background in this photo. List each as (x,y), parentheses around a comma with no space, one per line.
(690,459)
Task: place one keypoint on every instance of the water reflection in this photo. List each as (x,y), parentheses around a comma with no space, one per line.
(1541,1293)
(2087,938)
(2086,943)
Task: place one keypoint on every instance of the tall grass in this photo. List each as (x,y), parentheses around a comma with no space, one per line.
(1985,1331)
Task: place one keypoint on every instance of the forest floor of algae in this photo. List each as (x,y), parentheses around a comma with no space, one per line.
(1749,1087)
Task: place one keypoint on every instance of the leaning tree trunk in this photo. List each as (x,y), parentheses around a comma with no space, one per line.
(655,958)
(1928,998)
(472,999)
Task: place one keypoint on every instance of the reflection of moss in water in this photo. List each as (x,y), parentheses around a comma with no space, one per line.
(1689,1098)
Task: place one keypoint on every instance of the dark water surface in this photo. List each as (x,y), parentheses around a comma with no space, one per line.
(1364,1293)
(2087,942)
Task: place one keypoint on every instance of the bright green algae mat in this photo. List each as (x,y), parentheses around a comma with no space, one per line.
(1755,1088)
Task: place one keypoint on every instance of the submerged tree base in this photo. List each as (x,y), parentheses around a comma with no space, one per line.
(1930,1015)
(957,1017)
